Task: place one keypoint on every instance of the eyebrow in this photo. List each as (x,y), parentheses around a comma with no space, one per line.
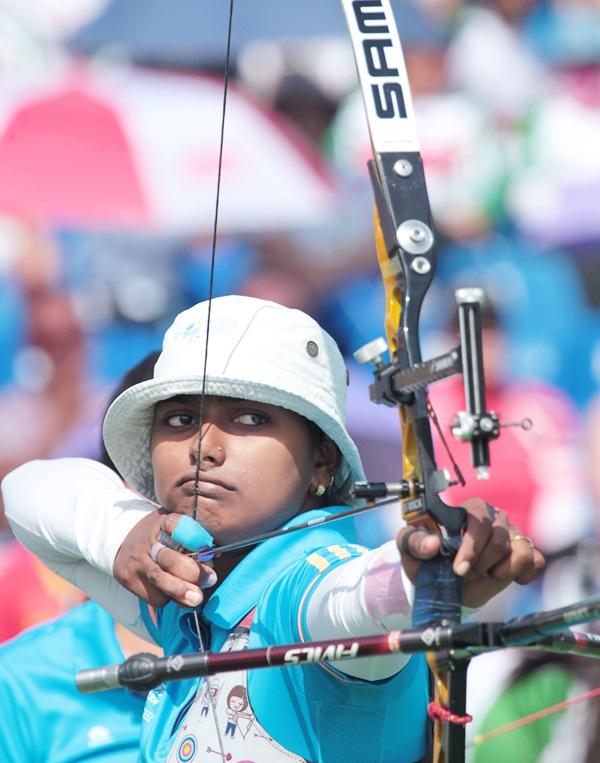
(176,399)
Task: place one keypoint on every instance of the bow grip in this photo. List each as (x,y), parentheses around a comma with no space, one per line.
(438,589)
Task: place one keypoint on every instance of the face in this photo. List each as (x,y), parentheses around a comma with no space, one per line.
(236,704)
(257,463)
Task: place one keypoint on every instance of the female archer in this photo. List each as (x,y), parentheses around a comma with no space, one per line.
(245,433)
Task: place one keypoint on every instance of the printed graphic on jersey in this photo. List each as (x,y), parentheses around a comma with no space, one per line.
(222,721)
(187,749)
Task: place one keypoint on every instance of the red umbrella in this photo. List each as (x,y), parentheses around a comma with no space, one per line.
(127,148)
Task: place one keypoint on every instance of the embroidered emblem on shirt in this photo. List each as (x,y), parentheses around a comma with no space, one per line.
(98,735)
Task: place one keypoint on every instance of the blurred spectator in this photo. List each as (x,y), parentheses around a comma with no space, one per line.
(565,32)
(282,285)
(490,58)
(549,482)
(29,591)
(556,188)
(44,718)
(50,401)
(305,105)
(529,282)
(592,449)
(45,404)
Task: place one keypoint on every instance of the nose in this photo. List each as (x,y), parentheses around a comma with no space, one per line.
(209,447)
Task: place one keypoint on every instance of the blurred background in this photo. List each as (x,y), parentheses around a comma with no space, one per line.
(110,117)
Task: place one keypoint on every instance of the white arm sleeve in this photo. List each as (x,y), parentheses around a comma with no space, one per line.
(366,596)
(74,513)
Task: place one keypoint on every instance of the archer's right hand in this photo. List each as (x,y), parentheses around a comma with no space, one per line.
(158,574)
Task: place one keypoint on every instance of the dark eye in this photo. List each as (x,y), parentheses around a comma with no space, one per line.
(251,419)
(179,420)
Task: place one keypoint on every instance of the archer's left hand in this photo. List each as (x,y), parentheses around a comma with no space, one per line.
(493,553)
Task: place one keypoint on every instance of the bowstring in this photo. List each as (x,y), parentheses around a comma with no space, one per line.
(211,281)
(533,717)
(213,252)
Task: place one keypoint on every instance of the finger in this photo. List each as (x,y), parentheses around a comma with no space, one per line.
(185,567)
(419,543)
(497,547)
(478,529)
(208,577)
(415,545)
(537,567)
(481,590)
(179,565)
(523,564)
(486,539)
(143,589)
(529,562)
(168,522)
(183,592)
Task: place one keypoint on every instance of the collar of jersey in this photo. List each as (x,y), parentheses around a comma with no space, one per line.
(240,591)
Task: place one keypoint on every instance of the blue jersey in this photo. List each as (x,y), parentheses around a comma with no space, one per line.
(311,711)
(43,716)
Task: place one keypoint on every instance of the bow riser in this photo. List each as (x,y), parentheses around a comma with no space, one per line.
(405,249)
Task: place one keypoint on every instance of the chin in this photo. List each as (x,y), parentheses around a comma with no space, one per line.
(182,507)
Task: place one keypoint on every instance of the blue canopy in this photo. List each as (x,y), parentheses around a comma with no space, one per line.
(193,32)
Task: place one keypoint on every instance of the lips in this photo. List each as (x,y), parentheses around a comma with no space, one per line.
(203,484)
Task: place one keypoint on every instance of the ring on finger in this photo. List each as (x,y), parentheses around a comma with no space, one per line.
(526,538)
(155,550)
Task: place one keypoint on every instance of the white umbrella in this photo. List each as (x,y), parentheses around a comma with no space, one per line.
(134,149)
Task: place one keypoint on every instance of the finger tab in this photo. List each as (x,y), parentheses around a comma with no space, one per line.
(191,534)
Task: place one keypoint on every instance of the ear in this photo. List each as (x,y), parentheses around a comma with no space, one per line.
(327,461)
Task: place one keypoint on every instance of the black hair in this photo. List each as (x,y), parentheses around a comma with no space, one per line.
(142,371)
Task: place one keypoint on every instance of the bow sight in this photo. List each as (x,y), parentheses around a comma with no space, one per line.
(395,384)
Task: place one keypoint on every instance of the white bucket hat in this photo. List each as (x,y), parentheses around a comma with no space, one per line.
(257,350)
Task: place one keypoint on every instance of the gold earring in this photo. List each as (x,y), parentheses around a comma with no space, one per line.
(320,489)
